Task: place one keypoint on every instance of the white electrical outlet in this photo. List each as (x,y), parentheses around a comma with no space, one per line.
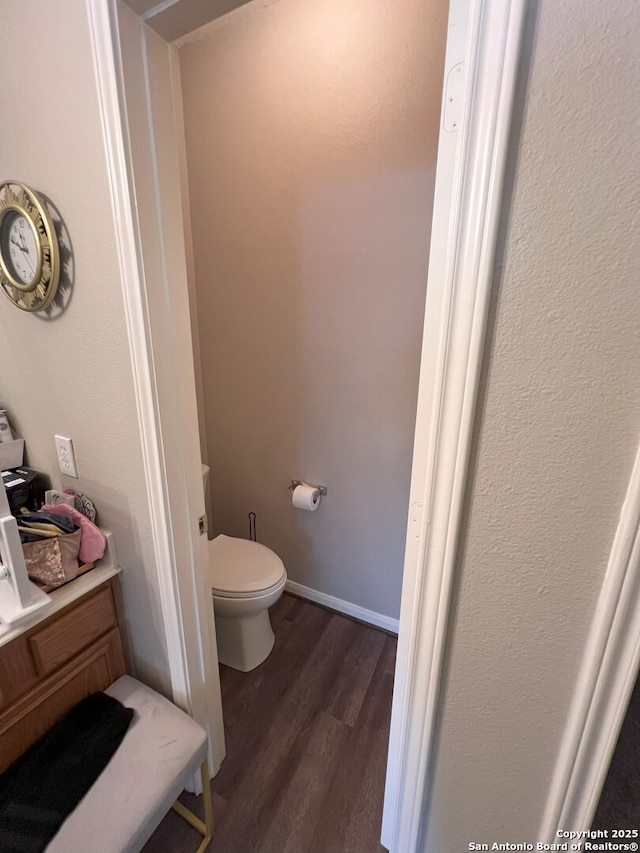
(66,456)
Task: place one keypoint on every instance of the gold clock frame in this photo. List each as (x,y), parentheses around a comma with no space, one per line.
(38,294)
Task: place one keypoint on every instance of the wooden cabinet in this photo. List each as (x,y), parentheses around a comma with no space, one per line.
(52,666)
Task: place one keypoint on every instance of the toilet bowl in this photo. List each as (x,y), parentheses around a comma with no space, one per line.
(246,580)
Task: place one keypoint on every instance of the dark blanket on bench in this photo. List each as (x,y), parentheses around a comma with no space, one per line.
(48,781)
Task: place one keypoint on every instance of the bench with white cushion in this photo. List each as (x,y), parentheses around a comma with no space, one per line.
(161,751)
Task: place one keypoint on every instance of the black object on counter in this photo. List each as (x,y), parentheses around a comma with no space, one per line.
(24,487)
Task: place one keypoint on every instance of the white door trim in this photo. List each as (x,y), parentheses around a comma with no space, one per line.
(104,35)
(192,663)
(605,681)
(467,207)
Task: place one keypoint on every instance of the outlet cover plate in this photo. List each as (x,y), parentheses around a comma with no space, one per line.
(66,456)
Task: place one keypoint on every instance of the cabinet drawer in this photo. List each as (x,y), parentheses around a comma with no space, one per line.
(72,631)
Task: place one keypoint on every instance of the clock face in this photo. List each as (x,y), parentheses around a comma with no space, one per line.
(22,248)
(29,251)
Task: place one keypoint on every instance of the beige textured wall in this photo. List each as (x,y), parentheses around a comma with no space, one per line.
(558,426)
(311,134)
(72,375)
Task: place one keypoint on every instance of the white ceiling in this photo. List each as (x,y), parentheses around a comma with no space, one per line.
(173,19)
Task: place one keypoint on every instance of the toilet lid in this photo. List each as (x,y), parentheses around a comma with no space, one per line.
(240,565)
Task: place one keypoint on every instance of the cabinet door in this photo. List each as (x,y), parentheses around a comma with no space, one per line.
(27,719)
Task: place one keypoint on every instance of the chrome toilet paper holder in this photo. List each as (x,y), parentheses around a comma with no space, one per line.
(294,483)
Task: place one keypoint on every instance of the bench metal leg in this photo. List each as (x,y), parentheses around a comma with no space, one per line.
(208,802)
(204,828)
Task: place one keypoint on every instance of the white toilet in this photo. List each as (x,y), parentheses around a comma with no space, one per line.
(246,580)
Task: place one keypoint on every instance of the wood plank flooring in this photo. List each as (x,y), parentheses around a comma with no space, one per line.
(307,735)
(619,806)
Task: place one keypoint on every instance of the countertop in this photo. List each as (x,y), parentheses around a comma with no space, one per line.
(105,568)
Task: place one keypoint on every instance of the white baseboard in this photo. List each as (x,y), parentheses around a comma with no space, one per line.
(346,607)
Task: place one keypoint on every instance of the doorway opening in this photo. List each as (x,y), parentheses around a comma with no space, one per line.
(471,159)
(307,173)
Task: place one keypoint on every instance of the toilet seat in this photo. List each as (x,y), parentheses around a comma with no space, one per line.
(256,594)
(240,568)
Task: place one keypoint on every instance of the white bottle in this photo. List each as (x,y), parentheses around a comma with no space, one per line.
(5,429)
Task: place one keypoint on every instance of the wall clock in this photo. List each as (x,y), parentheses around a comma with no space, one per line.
(29,251)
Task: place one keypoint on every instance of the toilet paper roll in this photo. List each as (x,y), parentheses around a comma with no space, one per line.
(306,497)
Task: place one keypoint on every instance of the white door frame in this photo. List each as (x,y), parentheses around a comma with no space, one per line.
(485,36)
(168,419)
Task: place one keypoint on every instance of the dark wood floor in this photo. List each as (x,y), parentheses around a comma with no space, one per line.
(307,735)
(619,806)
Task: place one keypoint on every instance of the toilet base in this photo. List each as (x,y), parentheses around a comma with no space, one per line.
(244,642)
